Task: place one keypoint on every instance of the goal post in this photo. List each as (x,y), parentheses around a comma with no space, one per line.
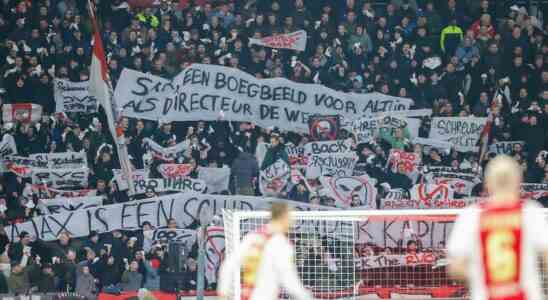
(362,254)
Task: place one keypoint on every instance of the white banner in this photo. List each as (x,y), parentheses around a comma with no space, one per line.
(367,128)
(185,208)
(295,154)
(174,170)
(180,184)
(293,41)
(413,203)
(462,132)
(432,195)
(44,192)
(216,179)
(165,153)
(274,179)
(336,165)
(504,147)
(186,236)
(394,260)
(122,184)
(21,112)
(460,181)
(73,97)
(62,160)
(209,92)
(432,143)
(64,205)
(351,191)
(328,147)
(23,166)
(60,178)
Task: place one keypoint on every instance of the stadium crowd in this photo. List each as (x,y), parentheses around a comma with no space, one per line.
(456,57)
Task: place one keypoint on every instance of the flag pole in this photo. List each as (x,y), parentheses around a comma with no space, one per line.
(101,88)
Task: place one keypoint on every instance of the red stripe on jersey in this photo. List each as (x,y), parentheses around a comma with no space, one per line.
(501,234)
(252,261)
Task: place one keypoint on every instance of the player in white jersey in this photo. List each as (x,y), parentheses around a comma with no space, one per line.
(495,245)
(266,262)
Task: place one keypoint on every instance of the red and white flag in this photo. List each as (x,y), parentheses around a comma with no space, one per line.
(294,41)
(100,87)
(21,112)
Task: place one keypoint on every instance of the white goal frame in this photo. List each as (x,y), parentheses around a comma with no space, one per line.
(232,222)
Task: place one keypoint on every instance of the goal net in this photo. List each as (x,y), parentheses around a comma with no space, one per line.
(363,254)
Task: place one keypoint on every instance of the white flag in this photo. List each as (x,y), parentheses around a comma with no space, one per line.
(100,87)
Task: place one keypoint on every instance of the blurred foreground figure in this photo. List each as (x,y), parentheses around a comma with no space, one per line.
(266,262)
(495,246)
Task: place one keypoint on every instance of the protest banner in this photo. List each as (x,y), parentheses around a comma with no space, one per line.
(295,154)
(165,153)
(185,236)
(410,203)
(174,170)
(461,181)
(274,179)
(351,191)
(442,145)
(395,198)
(368,128)
(42,191)
(394,260)
(216,179)
(504,147)
(389,232)
(73,97)
(21,112)
(336,165)
(178,184)
(462,132)
(61,178)
(431,195)
(324,128)
(534,190)
(63,205)
(22,166)
(292,41)
(399,160)
(185,208)
(202,92)
(215,251)
(121,184)
(62,160)
(327,147)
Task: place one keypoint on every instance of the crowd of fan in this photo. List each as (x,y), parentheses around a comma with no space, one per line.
(352,46)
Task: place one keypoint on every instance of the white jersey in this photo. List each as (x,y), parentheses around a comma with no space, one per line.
(272,267)
(465,242)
